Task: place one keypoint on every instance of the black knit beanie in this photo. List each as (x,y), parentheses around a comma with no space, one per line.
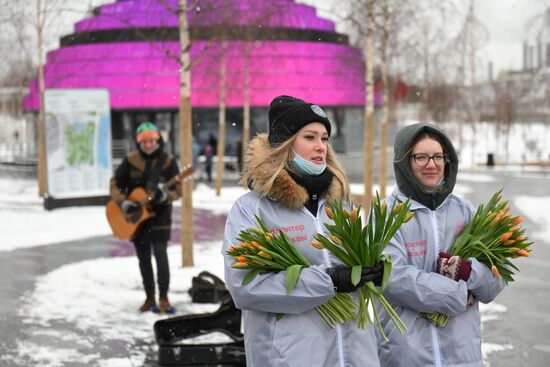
(287,115)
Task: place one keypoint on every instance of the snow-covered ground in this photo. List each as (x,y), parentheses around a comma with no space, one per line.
(91,294)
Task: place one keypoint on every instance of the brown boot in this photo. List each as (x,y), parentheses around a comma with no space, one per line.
(149,302)
(164,304)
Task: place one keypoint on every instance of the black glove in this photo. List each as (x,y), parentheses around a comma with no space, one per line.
(160,196)
(341,277)
(128,206)
(374,274)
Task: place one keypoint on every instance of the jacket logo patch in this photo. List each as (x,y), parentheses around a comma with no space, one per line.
(417,248)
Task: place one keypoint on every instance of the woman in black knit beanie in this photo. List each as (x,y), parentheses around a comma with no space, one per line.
(293,174)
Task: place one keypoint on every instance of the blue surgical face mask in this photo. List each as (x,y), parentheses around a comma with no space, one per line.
(307,167)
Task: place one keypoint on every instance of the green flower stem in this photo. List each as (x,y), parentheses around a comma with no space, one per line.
(436,318)
(329,320)
(389,309)
(378,322)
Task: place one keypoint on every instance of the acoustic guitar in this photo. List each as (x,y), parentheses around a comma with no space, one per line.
(125,226)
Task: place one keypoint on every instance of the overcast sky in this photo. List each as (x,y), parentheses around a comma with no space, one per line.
(508,22)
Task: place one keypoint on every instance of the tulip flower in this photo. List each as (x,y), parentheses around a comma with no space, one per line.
(398,208)
(518,220)
(524,253)
(408,217)
(262,251)
(354,215)
(336,240)
(360,246)
(318,245)
(491,239)
(264,255)
(506,236)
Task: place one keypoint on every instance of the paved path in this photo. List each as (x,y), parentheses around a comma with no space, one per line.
(20,268)
(526,323)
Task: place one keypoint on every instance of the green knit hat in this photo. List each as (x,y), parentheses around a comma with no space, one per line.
(147,130)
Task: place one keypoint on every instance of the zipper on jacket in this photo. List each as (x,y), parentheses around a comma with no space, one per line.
(435,339)
(339,337)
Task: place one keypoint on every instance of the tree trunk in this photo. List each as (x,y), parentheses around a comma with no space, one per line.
(385,103)
(473,113)
(246,100)
(186,231)
(368,138)
(42,169)
(221,124)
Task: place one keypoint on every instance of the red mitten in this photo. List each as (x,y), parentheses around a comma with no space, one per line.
(453,267)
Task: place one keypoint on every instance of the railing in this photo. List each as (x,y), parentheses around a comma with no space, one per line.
(119,149)
(18,153)
(27,154)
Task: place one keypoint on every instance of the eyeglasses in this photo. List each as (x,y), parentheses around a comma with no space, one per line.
(423,159)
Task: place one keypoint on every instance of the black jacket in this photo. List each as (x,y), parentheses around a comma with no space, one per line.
(135,171)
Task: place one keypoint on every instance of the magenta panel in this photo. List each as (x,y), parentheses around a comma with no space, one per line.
(141,75)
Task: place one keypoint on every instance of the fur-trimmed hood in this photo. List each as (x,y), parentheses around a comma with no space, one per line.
(259,168)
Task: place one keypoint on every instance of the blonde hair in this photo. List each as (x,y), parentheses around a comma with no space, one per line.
(280,157)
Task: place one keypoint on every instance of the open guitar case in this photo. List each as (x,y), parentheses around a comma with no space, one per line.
(171,333)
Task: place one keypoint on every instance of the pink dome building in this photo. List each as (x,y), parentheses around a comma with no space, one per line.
(131,48)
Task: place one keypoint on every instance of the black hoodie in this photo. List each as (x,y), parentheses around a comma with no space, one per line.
(407,183)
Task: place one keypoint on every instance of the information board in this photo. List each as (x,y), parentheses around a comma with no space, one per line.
(78,142)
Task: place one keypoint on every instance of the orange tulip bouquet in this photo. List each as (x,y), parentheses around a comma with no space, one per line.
(358,246)
(494,237)
(261,251)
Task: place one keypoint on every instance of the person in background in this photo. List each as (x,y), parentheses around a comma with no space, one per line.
(293,173)
(424,277)
(149,167)
(213,141)
(208,154)
(239,153)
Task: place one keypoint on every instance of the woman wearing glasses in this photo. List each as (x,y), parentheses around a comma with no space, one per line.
(424,277)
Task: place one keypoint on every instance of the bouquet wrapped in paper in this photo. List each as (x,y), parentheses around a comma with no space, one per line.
(261,251)
(360,246)
(494,237)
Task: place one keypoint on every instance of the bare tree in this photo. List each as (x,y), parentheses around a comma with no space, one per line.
(252,33)
(386,23)
(186,135)
(46,12)
(31,25)
(369,106)
(186,130)
(221,119)
(405,39)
